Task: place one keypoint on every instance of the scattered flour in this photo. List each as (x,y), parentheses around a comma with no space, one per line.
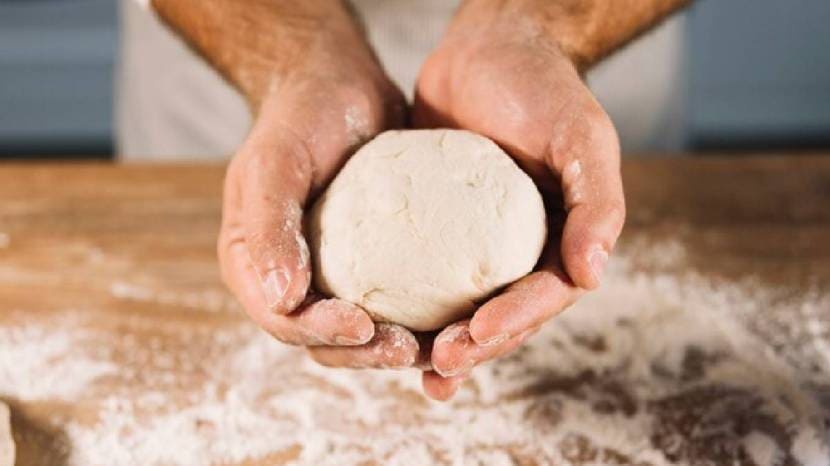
(206,300)
(652,369)
(47,363)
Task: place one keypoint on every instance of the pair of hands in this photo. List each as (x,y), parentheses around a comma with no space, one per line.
(492,76)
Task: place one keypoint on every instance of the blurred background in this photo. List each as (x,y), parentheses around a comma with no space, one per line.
(747,75)
(57,62)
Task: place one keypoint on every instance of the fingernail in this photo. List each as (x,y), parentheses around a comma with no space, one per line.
(274,286)
(458,370)
(496,340)
(341,340)
(365,335)
(598,260)
(293,302)
(454,333)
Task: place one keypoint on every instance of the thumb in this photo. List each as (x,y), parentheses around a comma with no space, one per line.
(274,187)
(586,155)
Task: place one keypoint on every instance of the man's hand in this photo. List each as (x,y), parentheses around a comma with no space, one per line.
(318,92)
(302,135)
(501,74)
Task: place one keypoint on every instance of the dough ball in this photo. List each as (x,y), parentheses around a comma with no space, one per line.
(420,225)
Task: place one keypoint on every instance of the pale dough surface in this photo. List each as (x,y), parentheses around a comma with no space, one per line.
(422,224)
(6,440)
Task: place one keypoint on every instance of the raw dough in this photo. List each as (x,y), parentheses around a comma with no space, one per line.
(6,440)
(421,224)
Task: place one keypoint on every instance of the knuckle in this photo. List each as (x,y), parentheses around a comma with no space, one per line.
(225,245)
(603,133)
(583,132)
(258,161)
(229,236)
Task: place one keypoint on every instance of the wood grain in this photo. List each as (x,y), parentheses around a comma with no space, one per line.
(91,238)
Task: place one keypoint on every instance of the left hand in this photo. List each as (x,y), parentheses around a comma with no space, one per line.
(498,75)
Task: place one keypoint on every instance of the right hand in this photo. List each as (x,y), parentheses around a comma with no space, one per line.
(498,73)
(308,124)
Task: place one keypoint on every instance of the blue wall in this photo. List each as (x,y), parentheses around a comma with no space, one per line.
(56,76)
(759,74)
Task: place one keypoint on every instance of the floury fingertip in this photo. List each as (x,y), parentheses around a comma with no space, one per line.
(274,286)
(495,340)
(598,260)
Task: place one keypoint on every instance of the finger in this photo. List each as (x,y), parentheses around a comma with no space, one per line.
(525,305)
(455,352)
(392,347)
(317,322)
(325,322)
(274,185)
(452,350)
(431,86)
(585,153)
(441,388)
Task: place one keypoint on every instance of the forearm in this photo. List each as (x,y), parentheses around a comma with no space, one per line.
(255,44)
(585,30)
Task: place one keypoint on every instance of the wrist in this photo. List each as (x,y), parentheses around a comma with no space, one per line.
(551,25)
(256,44)
(585,30)
(329,53)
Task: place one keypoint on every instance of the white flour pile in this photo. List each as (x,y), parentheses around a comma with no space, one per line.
(651,369)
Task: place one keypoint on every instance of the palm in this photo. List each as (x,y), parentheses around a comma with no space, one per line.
(529,98)
(523,97)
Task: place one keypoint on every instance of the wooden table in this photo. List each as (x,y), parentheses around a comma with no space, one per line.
(128,252)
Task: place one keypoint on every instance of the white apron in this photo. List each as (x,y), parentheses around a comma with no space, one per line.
(172,106)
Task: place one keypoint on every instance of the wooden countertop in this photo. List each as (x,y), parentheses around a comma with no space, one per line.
(129,250)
